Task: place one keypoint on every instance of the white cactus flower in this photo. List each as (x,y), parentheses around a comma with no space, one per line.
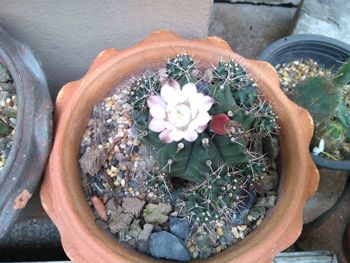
(179,113)
(319,149)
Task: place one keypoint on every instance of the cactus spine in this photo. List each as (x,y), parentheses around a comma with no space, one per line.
(220,170)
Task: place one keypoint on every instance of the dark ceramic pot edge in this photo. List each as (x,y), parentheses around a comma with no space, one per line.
(300,38)
(342,165)
(33,132)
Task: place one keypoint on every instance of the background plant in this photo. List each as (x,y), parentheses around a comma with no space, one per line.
(327,99)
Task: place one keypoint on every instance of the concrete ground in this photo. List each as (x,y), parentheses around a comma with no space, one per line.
(248,28)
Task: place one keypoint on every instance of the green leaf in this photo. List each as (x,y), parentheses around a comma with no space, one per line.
(342,77)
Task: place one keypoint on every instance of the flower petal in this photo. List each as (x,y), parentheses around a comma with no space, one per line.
(193,125)
(176,135)
(196,101)
(164,136)
(207,103)
(157,112)
(190,136)
(173,83)
(155,100)
(202,118)
(156,125)
(321,145)
(201,129)
(190,89)
(316,151)
(169,126)
(171,91)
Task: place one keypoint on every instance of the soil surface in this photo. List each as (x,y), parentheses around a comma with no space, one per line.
(114,167)
(8,114)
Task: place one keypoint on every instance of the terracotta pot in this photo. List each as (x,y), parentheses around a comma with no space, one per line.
(62,195)
(32,141)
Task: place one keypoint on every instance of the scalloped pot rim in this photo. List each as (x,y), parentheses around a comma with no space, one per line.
(62,194)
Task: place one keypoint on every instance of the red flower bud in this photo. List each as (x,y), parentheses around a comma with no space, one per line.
(218,123)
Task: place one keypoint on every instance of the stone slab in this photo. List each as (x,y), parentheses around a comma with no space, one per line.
(325,17)
(250,28)
(331,187)
(327,231)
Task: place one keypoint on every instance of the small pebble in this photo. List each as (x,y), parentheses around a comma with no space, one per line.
(219,231)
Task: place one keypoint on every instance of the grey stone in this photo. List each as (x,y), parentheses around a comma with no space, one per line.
(204,245)
(330,188)
(250,28)
(166,245)
(133,206)
(228,236)
(329,18)
(135,229)
(147,229)
(179,227)
(271,200)
(113,208)
(122,222)
(156,214)
(132,243)
(257,211)
(142,243)
(142,246)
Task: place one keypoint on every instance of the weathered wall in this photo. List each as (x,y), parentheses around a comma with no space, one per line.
(66,35)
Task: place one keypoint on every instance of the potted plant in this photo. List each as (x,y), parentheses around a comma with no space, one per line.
(62,195)
(298,58)
(25,128)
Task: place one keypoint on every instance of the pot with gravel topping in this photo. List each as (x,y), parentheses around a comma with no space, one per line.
(161,149)
(25,128)
(302,61)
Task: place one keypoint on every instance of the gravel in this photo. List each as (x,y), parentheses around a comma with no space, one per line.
(179,228)
(114,168)
(8,114)
(168,246)
(298,70)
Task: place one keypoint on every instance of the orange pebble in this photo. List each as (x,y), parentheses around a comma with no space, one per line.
(100,208)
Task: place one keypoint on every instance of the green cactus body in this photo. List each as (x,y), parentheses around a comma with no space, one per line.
(218,168)
(333,134)
(326,100)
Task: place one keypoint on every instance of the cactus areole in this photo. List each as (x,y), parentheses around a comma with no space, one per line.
(201,126)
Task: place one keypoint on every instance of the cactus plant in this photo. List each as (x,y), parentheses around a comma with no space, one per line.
(327,99)
(219,164)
